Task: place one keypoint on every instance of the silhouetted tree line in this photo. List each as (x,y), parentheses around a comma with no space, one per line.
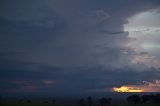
(89,101)
(0,100)
(29,101)
(104,101)
(134,99)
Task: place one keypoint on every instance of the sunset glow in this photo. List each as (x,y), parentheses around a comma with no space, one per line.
(127,89)
(146,86)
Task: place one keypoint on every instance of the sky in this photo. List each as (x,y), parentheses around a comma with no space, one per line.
(76,47)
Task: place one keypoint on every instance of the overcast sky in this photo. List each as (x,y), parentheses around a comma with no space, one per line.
(73,47)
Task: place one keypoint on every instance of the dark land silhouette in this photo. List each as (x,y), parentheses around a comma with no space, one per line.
(131,100)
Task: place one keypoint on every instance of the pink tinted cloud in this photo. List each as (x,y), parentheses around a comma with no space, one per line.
(21,82)
(26,86)
(50,82)
(26,89)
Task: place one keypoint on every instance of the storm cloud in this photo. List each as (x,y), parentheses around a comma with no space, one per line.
(78,42)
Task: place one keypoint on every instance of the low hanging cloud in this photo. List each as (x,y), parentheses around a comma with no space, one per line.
(28,86)
(22,89)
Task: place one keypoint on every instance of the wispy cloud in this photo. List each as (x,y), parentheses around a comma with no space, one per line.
(22,89)
(50,82)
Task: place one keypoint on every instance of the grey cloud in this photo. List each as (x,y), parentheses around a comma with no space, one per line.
(70,35)
(82,81)
(43,27)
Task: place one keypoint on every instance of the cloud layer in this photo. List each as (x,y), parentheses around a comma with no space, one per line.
(81,42)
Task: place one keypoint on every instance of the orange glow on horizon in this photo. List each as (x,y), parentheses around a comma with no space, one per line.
(127,89)
(153,86)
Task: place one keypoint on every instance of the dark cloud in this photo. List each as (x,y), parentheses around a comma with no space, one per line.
(76,37)
(70,82)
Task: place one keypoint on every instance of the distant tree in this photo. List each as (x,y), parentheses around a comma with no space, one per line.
(0,100)
(103,101)
(90,101)
(29,101)
(21,100)
(81,102)
(54,101)
(146,98)
(151,98)
(156,98)
(109,100)
(134,99)
(45,101)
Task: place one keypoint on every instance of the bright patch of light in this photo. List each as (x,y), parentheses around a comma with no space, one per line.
(144,31)
(150,46)
(146,21)
(127,89)
(153,86)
